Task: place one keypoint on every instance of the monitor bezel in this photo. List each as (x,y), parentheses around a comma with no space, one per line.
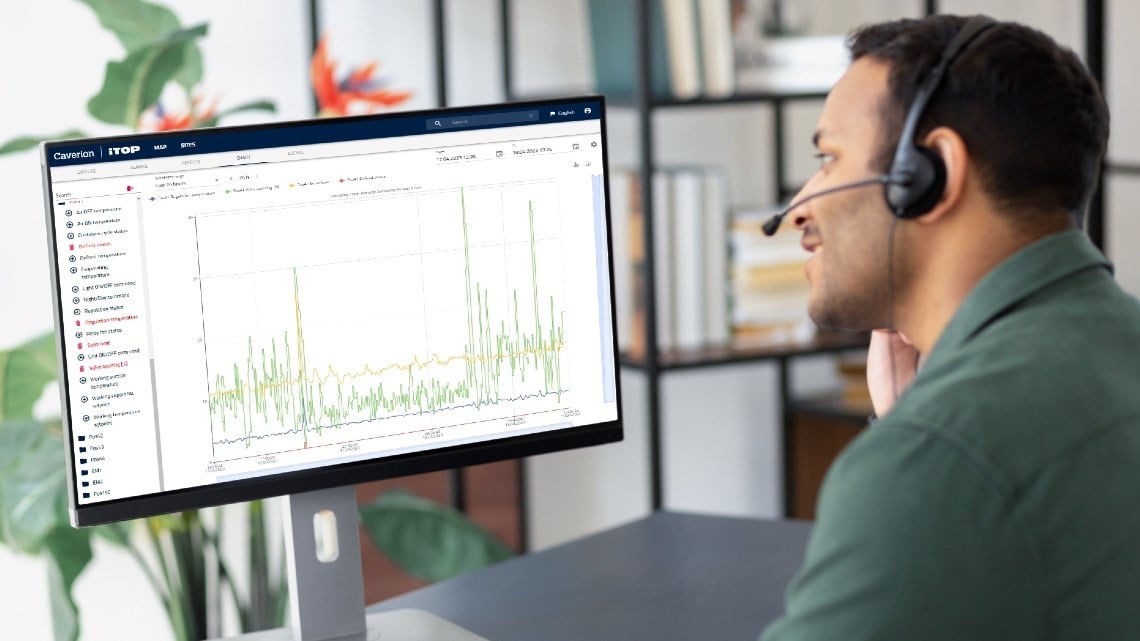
(318,478)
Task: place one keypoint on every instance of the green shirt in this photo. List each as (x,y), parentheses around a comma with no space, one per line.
(1000,498)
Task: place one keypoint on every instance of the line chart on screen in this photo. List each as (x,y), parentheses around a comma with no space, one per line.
(438,309)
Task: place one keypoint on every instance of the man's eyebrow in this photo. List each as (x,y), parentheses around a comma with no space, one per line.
(815,138)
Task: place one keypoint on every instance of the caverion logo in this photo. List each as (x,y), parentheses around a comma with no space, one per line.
(122,151)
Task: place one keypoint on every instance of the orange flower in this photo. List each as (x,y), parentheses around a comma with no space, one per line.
(358,93)
(158,119)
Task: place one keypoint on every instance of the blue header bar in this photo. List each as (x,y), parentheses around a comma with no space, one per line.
(310,132)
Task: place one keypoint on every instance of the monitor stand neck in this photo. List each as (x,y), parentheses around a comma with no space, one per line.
(326,582)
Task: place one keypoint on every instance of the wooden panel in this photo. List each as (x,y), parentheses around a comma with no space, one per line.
(817,439)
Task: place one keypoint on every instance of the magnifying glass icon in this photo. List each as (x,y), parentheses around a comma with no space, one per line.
(437,124)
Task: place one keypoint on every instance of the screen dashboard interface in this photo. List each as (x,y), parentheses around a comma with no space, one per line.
(244,302)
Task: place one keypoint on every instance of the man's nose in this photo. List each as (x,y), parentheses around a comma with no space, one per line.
(800,214)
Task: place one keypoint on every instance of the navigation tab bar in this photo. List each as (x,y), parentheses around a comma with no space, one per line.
(298,152)
(165,145)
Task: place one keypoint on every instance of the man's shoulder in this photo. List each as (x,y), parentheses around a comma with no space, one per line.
(1034,384)
(911,500)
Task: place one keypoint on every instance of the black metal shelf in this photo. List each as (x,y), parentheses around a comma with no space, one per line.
(744,97)
(833,407)
(656,362)
(627,101)
(1128,168)
(750,352)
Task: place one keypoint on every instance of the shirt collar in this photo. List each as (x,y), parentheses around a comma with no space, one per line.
(1023,274)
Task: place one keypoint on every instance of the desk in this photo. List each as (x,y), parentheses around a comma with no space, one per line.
(667,577)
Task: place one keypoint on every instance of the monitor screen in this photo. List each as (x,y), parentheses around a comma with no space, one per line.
(254,311)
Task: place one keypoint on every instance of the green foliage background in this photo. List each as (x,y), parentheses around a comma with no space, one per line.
(427,540)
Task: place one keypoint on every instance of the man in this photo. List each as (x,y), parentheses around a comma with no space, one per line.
(997,495)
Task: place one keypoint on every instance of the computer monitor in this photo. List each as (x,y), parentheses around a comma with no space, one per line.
(292,308)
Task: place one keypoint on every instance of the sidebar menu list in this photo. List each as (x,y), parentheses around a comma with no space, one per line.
(105,346)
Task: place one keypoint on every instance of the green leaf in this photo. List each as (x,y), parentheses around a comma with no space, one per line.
(429,540)
(69,552)
(256,105)
(135,83)
(16,439)
(279,596)
(191,72)
(24,372)
(163,524)
(33,497)
(116,533)
(137,24)
(257,616)
(24,143)
(134,22)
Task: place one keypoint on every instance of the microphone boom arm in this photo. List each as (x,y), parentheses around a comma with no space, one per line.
(773,223)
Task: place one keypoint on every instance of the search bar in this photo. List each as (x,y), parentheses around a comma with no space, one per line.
(480,120)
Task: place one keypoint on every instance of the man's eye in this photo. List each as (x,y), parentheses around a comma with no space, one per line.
(824,158)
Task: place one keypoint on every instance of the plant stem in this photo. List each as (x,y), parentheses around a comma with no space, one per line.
(259,605)
(187,545)
(171,599)
(147,571)
(226,578)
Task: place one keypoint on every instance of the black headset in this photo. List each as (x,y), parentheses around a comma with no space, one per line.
(917,176)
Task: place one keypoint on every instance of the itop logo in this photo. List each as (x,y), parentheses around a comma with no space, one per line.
(123,151)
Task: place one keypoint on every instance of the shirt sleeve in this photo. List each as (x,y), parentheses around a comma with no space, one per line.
(914,539)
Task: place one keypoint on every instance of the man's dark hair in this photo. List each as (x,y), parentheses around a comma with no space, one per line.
(1031,115)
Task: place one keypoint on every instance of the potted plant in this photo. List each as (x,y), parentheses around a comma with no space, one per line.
(182,555)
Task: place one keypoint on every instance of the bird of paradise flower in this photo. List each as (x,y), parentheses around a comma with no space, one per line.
(359,92)
(159,118)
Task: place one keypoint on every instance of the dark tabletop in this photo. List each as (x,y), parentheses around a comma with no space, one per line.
(668,576)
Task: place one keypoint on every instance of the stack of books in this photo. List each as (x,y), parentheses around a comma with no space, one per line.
(769,290)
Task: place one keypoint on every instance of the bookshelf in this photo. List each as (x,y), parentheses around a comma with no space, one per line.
(656,363)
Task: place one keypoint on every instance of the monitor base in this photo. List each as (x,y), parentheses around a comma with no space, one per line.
(397,625)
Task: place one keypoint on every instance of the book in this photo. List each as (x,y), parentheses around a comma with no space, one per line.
(770,292)
(663,264)
(717,296)
(717,55)
(683,41)
(688,203)
(691,268)
(613,39)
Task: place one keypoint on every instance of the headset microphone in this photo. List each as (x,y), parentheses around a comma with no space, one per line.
(917,175)
(773,223)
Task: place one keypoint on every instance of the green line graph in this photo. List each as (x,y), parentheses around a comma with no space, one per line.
(512,352)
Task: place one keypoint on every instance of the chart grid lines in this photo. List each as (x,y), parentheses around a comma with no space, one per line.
(280,383)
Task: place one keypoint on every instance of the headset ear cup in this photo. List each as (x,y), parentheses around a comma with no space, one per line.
(929,183)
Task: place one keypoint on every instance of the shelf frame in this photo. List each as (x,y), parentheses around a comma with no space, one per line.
(656,363)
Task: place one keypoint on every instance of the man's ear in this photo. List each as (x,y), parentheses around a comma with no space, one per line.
(952,150)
